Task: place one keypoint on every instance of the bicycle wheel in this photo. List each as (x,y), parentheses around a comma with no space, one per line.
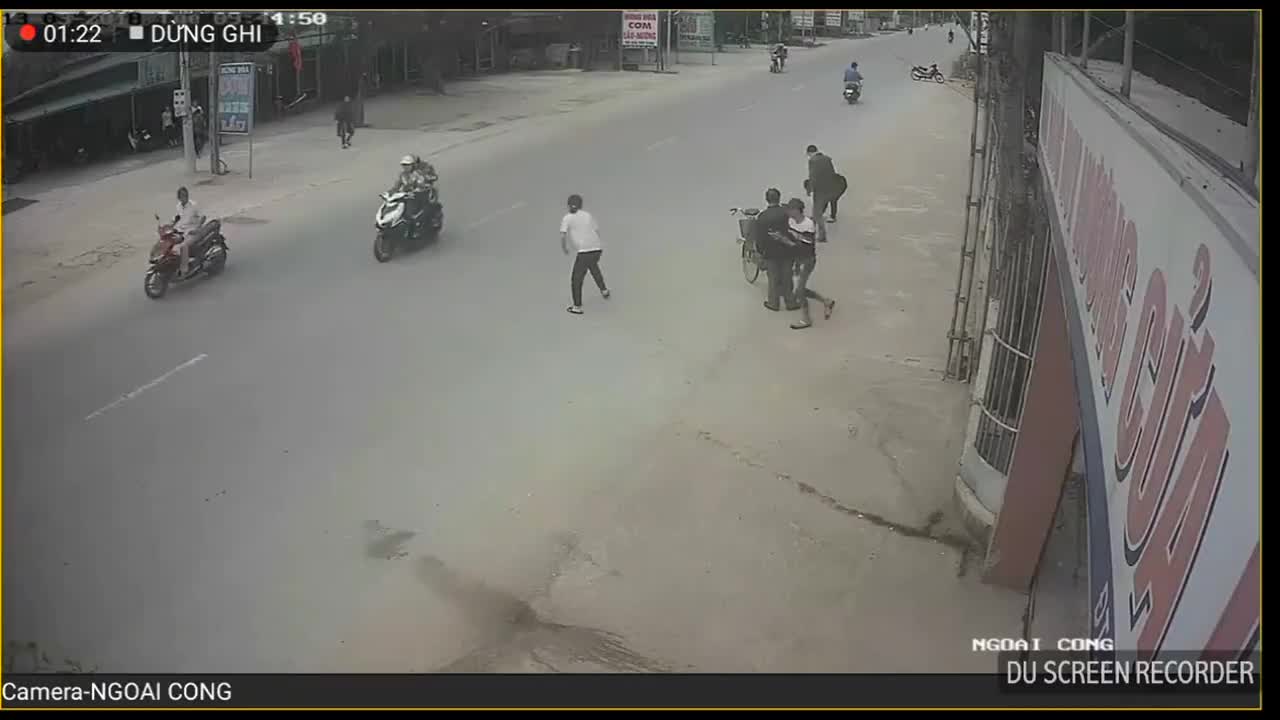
(750,263)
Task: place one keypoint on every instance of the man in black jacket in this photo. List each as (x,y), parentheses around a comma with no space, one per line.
(825,183)
(345,117)
(773,240)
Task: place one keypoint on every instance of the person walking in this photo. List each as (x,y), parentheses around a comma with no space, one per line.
(345,117)
(803,232)
(825,186)
(774,243)
(199,128)
(579,232)
(167,127)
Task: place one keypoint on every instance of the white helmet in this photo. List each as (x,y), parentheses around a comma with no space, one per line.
(408,160)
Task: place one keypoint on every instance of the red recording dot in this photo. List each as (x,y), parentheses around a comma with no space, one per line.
(28,32)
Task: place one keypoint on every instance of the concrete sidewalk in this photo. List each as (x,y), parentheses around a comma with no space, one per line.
(92,218)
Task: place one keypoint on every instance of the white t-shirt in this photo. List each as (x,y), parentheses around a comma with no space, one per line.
(804,227)
(582,230)
(188,217)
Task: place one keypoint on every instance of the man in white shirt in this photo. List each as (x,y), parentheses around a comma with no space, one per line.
(803,233)
(187,222)
(579,231)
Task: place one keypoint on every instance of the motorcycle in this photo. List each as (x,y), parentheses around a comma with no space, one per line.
(143,141)
(752,259)
(775,63)
(207,256)
(920,72)
(852,92)
(395,230)
(287,108)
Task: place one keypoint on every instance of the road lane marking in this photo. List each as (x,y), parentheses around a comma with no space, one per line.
(495,215)
(143,388)
(745,108)
(660,143)
(798,87)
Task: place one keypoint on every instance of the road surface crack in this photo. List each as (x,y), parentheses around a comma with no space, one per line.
(924,532)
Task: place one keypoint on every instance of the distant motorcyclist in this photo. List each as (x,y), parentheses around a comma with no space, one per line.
(951,35)
(415,177)
(851,75)
(779,54)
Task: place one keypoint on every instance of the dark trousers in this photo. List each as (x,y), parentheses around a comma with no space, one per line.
(823,201)
(585,262)
(780,281)
(345,131)
(804,269)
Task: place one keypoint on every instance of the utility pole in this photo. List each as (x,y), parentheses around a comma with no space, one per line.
(1126,79)
(667,62)
(212,121)
(188,132)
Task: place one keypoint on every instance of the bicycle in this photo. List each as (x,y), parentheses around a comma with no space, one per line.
(752,259)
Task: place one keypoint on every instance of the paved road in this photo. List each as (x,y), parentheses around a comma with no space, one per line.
(218,480)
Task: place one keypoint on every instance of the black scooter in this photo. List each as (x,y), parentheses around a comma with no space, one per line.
(143,141)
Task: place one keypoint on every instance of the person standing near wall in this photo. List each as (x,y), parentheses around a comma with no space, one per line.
(580,233)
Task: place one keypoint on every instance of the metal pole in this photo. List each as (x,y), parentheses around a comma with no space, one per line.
(1253,158)
(1126,83)
(959,318)
(188,135)
(666,62)
(212,120)
(1084,44)
(713,39)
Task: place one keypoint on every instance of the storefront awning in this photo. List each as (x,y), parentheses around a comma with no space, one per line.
(71,102)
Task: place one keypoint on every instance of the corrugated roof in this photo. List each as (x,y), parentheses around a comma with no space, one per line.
(71,102)
(107,62)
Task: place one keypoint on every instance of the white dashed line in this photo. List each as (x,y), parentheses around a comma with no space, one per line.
(798,87)
(745,108)
(495,215)
(660,143)
(138,391)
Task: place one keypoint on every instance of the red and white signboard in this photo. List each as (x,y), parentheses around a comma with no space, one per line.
(639,28)
(1163,304)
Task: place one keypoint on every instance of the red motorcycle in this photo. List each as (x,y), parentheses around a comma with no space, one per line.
(207,255)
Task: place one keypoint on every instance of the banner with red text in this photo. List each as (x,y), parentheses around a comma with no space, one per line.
(1163,297)
(639,28)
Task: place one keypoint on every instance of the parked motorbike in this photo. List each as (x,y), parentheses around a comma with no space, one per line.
(286,108)
(395,230)
(920,72)
(208,256)
(852,92)
(143,141)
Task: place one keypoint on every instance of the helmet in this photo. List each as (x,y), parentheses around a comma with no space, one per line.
(853,65)
(408,160)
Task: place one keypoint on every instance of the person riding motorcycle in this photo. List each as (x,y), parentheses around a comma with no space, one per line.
(951,35)
(779,55)
(851,75)
(416,177)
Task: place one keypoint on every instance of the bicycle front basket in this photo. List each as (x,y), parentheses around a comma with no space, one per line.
(745,226)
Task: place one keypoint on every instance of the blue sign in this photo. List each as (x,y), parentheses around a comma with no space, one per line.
(235,98)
